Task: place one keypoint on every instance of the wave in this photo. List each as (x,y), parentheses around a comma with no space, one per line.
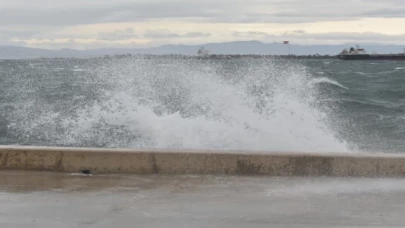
(242,105)
(328,81)
(360,73)
(370,105)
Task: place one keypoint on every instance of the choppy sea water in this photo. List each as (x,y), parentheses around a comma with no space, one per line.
(248,104)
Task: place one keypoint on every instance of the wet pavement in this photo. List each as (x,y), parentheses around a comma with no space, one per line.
(48,200)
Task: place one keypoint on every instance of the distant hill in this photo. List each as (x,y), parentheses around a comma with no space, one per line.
(236,47)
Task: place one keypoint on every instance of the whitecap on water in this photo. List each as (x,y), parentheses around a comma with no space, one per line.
(328,81)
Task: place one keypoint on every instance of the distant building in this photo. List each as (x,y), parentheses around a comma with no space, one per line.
(202,52)
(287,43)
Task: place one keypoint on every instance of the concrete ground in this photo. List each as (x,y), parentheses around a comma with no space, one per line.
(49,200)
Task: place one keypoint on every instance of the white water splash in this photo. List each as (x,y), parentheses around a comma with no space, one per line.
(188,105)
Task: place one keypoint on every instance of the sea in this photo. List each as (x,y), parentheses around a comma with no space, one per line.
(267,104)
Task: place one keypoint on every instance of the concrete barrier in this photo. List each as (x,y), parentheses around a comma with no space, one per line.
(201,162)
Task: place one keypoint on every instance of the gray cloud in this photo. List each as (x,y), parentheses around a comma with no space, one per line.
(299,31)
(367,36)
(160,33)
(15,34)
(196,34)
(43,19)
(128,33)
(6,36)
(53,13)
(125,12)
(391,13)
(165,33)
(249,34)
(335,36)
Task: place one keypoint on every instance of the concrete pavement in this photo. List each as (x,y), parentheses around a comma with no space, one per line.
(48,200)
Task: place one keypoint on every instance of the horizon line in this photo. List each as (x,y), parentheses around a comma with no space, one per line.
(217,43)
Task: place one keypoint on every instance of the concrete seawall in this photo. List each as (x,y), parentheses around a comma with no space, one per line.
(201,162)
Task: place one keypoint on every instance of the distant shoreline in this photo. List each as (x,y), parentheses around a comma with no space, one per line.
(182,56)
(224,50)
(224,56)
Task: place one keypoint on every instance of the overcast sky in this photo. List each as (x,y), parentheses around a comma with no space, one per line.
(87,24)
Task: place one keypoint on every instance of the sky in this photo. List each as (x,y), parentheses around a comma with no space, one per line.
(89,24)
